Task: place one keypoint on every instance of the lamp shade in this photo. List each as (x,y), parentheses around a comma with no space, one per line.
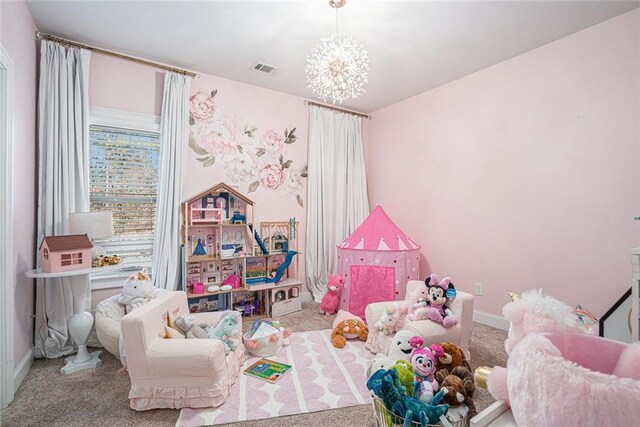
(97,225)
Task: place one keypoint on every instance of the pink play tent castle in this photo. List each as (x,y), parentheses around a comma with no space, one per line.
(376,261)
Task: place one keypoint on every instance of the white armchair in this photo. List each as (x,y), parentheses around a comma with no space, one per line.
(430,331)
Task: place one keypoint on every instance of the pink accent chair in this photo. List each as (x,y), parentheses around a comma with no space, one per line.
(176,373)
(430,331)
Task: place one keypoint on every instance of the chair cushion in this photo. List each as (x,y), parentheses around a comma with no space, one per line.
(185,358)
(433,332)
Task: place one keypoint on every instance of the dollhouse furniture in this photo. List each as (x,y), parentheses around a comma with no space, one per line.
(432,332)
(81,322)
(65,253)
(175,373)
(376,261)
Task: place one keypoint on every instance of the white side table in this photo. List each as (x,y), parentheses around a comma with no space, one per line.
(81,322)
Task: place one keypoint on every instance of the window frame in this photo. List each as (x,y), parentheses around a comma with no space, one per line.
(130,121)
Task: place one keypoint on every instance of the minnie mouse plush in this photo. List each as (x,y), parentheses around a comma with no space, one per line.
(424,368)
(439,295)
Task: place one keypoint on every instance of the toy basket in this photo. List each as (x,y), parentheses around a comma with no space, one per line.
(385,418)
(265,346)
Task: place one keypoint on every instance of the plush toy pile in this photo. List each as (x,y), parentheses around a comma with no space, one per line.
(427,385)
(226,330)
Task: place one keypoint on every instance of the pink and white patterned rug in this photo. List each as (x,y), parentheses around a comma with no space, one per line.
(322,377)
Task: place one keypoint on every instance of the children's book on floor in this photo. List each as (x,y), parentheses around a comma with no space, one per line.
(267,370)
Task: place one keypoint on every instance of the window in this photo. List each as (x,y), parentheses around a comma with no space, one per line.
(124,158)
(71,259)
(45,253)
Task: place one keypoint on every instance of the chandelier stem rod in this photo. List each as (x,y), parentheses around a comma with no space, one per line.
(331,107)
(337,25)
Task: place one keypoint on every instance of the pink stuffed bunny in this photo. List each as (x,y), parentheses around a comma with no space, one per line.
(331,299)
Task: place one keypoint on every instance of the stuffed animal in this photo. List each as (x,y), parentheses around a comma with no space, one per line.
(417,304)
(349,329)
(460,389)
(137,290)
(400,347)
(386,386)
(405,374)
(440,293)
(227,328)
(452,358)
(388,322)
(186,323)
(569,379)
(331,298)
(535,312)
(380,362)
(424,368)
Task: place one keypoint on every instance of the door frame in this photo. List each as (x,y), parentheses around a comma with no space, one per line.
(7,369)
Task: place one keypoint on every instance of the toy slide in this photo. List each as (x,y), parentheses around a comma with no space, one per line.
(280,271)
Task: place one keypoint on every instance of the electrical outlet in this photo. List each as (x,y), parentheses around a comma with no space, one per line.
(479,290)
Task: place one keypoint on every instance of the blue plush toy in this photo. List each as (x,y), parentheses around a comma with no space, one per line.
(409,408)
(226,328)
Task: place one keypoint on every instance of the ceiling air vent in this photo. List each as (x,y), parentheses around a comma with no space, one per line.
(264,68)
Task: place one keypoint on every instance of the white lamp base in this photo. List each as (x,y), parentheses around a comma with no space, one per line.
(73,366)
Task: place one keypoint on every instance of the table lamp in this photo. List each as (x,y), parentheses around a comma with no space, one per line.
(97,225)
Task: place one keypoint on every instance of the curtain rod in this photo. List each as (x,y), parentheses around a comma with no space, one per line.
(66,42)
(331,107)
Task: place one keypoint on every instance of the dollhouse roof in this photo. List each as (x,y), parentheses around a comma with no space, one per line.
(378,233)
(222,186)
(67,243)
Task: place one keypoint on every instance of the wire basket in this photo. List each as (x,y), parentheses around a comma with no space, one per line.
(385,418)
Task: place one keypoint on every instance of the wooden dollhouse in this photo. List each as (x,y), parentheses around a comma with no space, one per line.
(219,242)
(65,253)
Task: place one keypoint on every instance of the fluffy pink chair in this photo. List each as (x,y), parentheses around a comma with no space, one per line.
(558,376)
(570,379)
(175,373)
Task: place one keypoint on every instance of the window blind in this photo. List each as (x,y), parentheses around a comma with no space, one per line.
(124,180)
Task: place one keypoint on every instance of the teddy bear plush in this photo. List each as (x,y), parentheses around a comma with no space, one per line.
(452,358)
(137,290)
(460,388)
(226,329)
(388,323)
(348,330)
(186,323)
(331,299)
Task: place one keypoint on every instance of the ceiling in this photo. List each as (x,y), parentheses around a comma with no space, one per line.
(413,45)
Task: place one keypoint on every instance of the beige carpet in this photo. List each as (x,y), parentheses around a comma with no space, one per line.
(99,398)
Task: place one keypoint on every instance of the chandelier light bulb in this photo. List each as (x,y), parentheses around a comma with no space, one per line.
(338,69)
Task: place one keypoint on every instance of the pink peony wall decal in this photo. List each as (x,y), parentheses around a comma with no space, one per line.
(247,154)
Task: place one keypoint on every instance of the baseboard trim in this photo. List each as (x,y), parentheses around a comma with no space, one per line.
(22,369)
(489,319)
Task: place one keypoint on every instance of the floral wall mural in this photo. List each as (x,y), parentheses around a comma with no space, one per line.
(247,153)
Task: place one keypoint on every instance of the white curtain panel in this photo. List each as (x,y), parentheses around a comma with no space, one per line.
(337,200)
(174,128)
(63,186)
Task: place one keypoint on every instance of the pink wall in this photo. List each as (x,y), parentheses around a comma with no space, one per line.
(128,86)
(525,174)
(18,31)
